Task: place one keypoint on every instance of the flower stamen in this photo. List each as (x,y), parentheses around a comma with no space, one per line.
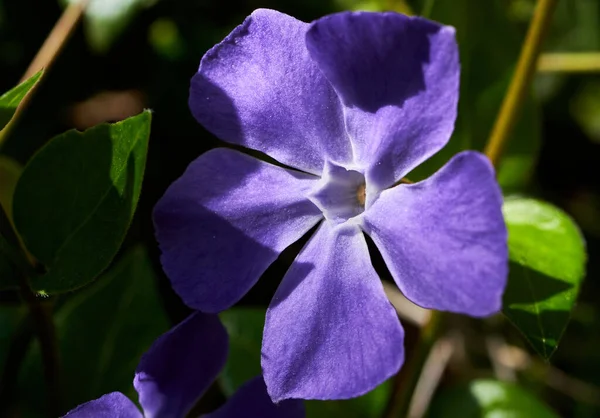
(361,194)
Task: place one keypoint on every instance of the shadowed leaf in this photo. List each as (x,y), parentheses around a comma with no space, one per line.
(76,198)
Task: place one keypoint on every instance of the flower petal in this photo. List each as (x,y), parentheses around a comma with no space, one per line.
(444,239)
(225,221)
(260,89)
(398,78)
(252,400)
(111,405)
(180,366)
(330,331)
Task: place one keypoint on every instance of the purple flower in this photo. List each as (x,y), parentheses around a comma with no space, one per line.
(353,102)
(175,372)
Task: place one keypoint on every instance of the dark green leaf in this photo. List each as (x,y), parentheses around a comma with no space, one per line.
(76,198)
(10,100)
(102,333)
(12,259)
(548,257)
(489,399)
(245,328)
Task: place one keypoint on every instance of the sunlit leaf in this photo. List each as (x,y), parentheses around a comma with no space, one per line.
(548,257)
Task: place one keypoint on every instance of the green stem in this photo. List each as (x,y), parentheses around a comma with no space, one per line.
(520,83)
(409,376)
(569,62)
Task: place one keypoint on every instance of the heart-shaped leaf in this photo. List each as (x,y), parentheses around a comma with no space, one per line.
(548,257)
(76,198)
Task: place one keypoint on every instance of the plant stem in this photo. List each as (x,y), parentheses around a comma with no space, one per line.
(15,354)
(47,54)
(519,86)
(41,315)
(573,62)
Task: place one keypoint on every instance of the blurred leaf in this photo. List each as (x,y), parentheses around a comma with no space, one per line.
(76,198)
(488,399)
(585,109)
(576,26)
(102,333)
(105,20)
(166,40)
(10,100)
(547,254)
(10,170)
(489,46)
(245,328)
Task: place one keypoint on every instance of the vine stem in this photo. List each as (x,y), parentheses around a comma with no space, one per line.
(408,378)
(520,83)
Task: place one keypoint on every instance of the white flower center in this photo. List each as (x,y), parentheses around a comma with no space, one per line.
(340,194)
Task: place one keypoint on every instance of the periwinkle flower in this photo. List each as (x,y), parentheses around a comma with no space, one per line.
(353,102)
(177,369)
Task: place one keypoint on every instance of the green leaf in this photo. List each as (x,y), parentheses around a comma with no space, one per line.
(10,100)
(245,329)
(489,45)
(488,399)
(102,332)
(548,257)
(76,198)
